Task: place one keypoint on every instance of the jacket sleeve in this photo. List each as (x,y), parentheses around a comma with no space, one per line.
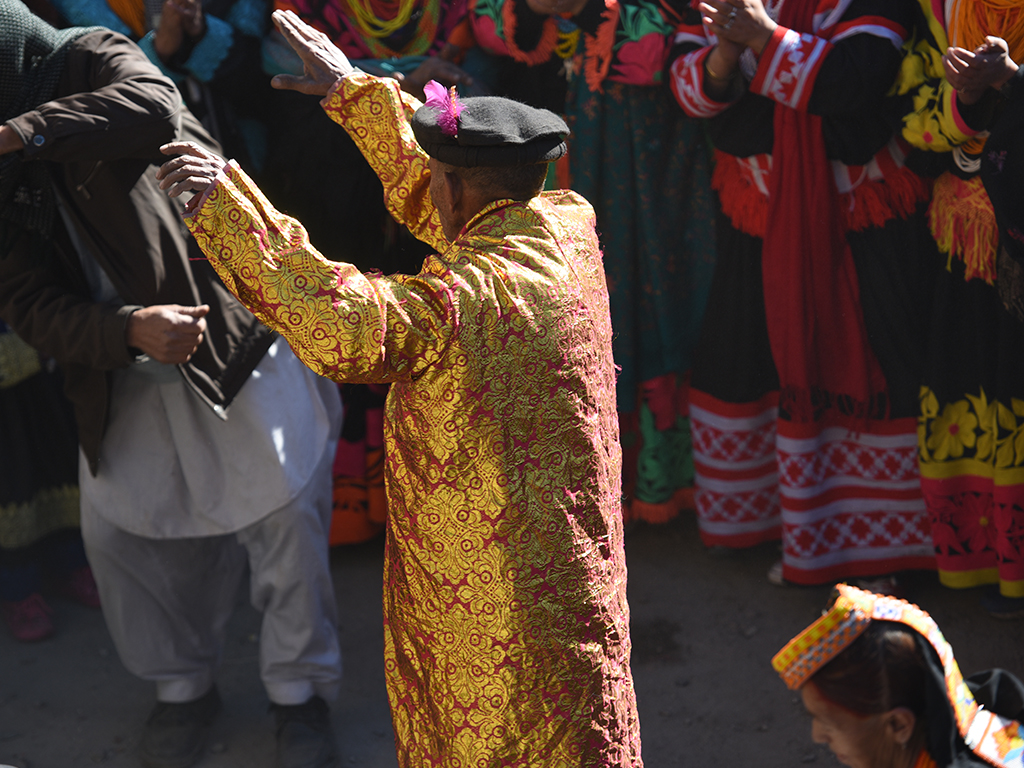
(343,324)
(129,110)
(375,112)
(39,303)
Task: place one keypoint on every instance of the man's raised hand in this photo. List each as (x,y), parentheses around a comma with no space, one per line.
(322,63)
(194,170)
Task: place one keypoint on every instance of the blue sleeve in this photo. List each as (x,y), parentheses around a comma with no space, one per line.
(92,13)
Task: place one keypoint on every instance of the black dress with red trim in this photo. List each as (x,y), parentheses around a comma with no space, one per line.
(972,397)
(833,474)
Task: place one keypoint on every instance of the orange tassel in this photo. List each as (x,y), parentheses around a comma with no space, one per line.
(598,58)
(741,201)
(132,13)
(872,203)
(963,223)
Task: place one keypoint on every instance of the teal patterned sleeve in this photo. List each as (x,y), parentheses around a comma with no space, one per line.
(91,13)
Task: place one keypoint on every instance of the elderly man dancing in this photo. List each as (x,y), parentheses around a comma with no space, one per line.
(506,622)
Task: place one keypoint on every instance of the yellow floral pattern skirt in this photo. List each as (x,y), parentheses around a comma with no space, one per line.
(971,436)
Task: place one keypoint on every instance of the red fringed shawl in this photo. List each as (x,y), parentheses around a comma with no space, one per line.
(812,296)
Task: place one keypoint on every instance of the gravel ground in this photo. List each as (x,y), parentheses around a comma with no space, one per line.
(705,625)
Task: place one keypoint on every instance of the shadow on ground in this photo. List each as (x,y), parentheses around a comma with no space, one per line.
(704,625)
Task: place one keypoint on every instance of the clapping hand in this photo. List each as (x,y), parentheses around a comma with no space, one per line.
(972,72)
(741,22)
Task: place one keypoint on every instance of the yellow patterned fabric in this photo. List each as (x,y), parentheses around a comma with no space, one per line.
(23,523)
(934,123)
(18,361)
(506,622)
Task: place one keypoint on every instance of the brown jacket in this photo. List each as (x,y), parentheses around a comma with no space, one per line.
(102,135)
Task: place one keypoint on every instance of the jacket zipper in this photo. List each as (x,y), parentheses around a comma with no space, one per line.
(81,187)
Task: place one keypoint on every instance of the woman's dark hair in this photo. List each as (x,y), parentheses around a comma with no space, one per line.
(880,670)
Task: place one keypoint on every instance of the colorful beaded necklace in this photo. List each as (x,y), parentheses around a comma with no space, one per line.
(378,20)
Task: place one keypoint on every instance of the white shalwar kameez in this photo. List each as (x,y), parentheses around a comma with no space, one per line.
(184,497)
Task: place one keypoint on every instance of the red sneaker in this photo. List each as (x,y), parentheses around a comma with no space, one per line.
(81,587)
(28,619)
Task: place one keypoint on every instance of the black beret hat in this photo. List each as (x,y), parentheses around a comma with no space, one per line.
(492,132)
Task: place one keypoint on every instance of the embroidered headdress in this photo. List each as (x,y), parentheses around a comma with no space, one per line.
(999,741)
(486,131)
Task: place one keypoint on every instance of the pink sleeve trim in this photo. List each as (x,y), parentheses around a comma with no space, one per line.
(954,109)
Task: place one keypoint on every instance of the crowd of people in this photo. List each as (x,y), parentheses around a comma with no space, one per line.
(786,291)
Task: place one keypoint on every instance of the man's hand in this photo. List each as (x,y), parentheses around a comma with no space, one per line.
(322,63)
(168,333)
(434,68)
(10,141)
(194,171)
(972,72)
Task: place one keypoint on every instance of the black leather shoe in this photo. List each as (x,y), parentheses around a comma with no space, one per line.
(175,734)
(304,735)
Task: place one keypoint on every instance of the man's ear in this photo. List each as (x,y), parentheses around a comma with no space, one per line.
(455,189)
(899,724)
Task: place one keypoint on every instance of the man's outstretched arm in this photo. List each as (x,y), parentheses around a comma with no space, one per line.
(341,323)
(375,112)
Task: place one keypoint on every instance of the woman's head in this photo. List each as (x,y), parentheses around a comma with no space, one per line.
(868,703)
(882,685)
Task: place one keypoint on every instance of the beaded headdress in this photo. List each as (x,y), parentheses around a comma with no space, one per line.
(998,740)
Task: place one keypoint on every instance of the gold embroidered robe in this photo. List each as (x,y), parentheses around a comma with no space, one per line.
(506,623)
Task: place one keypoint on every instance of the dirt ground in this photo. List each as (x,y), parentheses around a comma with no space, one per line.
(704,626)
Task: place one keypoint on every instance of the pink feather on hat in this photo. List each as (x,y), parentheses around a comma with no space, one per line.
(446,101)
